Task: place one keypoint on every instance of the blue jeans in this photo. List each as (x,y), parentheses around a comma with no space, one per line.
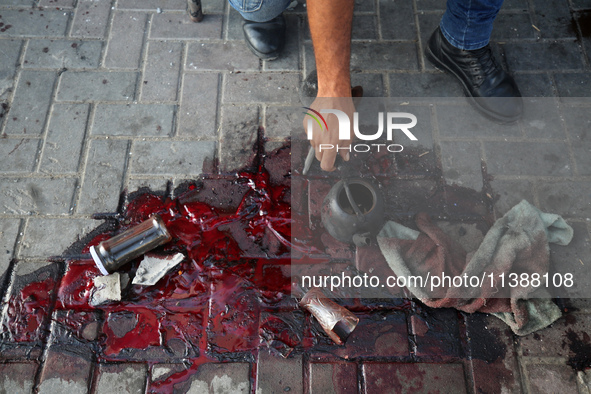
(259,10)
(467,24)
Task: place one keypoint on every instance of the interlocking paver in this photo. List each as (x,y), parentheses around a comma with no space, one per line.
(573,85)
(332,378)
(9,229)
(218,378)
(556,55)
(198,108)
(180,27)
(152,5)
(91,19)
(424,85)
(60,4)
(277,375)
(510,26)
(282,122)
(25,196)
(459,121)
(548,159)
(171,157)
(160,80)
(391,377)
(137,120)
(96,86)
(262,87)
(30,103)
(398,21)
(18,155)
(10,50)
(554,19)
(551,379)
(18,377)
(390,56)
(103,178)
(534,85)
(226,56)
(35,242)
(238,134)
(65,137)
(579,131)
(62,53)
(566,198)
(125,44)
(33,23)
(461,163)
(510,193)
(121,378)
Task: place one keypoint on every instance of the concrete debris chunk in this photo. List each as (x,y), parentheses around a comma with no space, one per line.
(106,289)
(153,268)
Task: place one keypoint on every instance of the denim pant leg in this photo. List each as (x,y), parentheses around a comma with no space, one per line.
(467,24)
(259,10)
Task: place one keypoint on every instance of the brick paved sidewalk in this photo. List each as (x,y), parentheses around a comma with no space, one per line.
(98,97)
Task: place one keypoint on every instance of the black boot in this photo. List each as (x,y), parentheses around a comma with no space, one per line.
(265,39)
(493,91)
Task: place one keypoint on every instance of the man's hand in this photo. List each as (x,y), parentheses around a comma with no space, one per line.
(330,24)
(325,137)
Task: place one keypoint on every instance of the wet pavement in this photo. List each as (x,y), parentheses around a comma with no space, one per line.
(113,110)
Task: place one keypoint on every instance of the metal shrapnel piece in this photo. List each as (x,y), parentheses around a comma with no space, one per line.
(195,10)
(111,254)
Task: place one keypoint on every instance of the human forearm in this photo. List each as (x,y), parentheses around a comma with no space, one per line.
(330,26)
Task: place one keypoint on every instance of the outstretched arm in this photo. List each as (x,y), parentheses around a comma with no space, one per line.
(330,25)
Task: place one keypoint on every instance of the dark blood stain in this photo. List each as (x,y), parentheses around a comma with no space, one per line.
(584,19)
(485,343)
(105,81)
(28,83)
(45,50)
(74,45)
(581,348)
(15,118)
(1,24)
(537,337)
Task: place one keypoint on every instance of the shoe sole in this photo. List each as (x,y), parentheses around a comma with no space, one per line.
(491,115)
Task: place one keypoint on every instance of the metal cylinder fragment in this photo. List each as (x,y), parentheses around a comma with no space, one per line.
(111,254)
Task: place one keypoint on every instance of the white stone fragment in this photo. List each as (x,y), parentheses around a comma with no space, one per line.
(153,268)
(106,289)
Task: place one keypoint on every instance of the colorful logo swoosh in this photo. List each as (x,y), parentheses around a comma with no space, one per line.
(315,118)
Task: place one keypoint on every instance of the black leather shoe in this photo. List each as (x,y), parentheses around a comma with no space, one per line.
(492,90)
(265,39)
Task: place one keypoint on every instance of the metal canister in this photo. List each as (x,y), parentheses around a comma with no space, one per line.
(195,10)
(111,254)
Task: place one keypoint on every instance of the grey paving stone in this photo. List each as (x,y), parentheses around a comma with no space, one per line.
(557,55)
(430,5)
(148,120)
(91,18)
(510,193)
(428,22)
(160,80)
(283,122)
(30,103)
(103,178)
(65,372)
(364,27)
(424,85)
(551,379)
(63,53)
(134,184)
(262,87)
(171,157)
(152,5)
(581,4)
(198,108)
(397,20)
(180,27)
(16,3)
(573,85)
(65,136)
(461,164)
(8,233)
(56,3)
(333,378)
(97,86)
(233,30)
(18,155)
(510,26)
(37,243)
(278,375)
(578,125)
(121,378)
(290,57)
(541,119)
(553,18)
(17,377)
(238,135)
(384,56)
(392,377)
(568,198)
(34,23)
(124,46)
(364,6)
(466,121)
(218,378)
(372,84)
(545,159)
(224,56)
(10,50)
(515,5)
(26,196)
(534,85)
